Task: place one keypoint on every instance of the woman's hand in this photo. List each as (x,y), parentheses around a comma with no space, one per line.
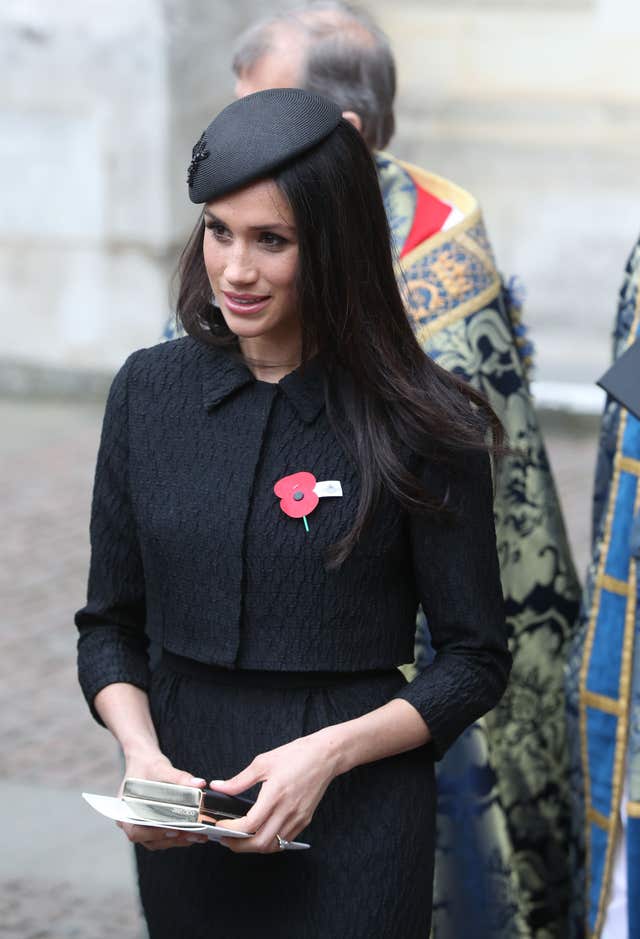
(294,778)
(154,765)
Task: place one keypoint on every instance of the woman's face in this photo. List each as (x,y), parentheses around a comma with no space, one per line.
(251,256)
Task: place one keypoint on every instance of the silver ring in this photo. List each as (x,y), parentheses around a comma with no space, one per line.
(282,844)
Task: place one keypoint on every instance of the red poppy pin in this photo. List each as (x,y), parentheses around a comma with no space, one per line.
(300,493)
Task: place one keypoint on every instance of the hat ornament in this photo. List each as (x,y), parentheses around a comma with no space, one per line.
(198,154)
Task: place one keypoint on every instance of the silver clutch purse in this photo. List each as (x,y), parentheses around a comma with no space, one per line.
(171,804)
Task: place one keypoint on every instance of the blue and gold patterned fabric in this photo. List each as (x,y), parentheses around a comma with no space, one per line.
(604,666)
(504,810)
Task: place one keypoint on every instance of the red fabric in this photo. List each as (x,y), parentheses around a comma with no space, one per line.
(430,215)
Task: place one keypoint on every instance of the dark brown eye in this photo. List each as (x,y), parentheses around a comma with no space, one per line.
(217,230)
(271,240)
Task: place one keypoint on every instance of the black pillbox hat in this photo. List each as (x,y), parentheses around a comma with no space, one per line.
(255,136)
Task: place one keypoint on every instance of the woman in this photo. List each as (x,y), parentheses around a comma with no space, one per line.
(219,531)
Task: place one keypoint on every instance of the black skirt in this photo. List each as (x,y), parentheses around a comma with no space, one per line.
(369,872)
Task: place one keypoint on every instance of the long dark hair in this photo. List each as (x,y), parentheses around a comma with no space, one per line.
(385,398)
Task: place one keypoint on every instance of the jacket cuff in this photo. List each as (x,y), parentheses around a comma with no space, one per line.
(105,659)
(450,695)
(436,715)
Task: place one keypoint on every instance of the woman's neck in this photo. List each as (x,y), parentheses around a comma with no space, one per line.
(271,361)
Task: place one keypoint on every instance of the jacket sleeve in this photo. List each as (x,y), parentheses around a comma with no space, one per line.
(458,582)
(112,646)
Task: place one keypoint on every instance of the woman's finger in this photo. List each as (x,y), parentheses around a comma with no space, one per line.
(182,841)
(257,815)
(265,840)
(154,838)
(248,777)
(160,770)
(182,778)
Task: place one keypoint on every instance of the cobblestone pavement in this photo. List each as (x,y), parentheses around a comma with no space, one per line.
(47,739)
(58,911)
(47,455)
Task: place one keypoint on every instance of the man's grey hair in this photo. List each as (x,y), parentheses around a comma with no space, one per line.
(347,59)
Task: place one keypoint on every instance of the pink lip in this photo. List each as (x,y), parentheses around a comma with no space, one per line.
(235,304)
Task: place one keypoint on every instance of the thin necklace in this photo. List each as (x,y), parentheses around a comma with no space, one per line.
(270,364)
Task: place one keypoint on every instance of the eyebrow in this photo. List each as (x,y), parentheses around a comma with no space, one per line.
(267,227)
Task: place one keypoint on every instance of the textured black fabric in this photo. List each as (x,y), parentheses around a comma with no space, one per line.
(254,136)
(191,548)
(368,874)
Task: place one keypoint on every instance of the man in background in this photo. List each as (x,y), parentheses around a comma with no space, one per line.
(504,802)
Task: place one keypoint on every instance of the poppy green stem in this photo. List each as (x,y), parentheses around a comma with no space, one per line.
(304,519)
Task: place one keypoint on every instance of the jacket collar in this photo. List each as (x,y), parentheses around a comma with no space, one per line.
(224,373)
(304,388)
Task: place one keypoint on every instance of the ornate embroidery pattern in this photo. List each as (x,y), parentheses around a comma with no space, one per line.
(527,823)
(396,184)
(451,275)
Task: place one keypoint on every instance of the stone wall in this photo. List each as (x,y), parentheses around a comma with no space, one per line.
(100,107)
(532,105)
(85,153)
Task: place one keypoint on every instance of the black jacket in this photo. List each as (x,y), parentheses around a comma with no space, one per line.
(191,548)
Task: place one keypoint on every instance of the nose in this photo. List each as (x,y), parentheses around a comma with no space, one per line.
(240,269)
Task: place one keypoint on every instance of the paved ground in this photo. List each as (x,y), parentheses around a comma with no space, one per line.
(67,873)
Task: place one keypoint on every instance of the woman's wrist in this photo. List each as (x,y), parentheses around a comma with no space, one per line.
(140,748)
(388,730)
(335,743)
(124,708)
